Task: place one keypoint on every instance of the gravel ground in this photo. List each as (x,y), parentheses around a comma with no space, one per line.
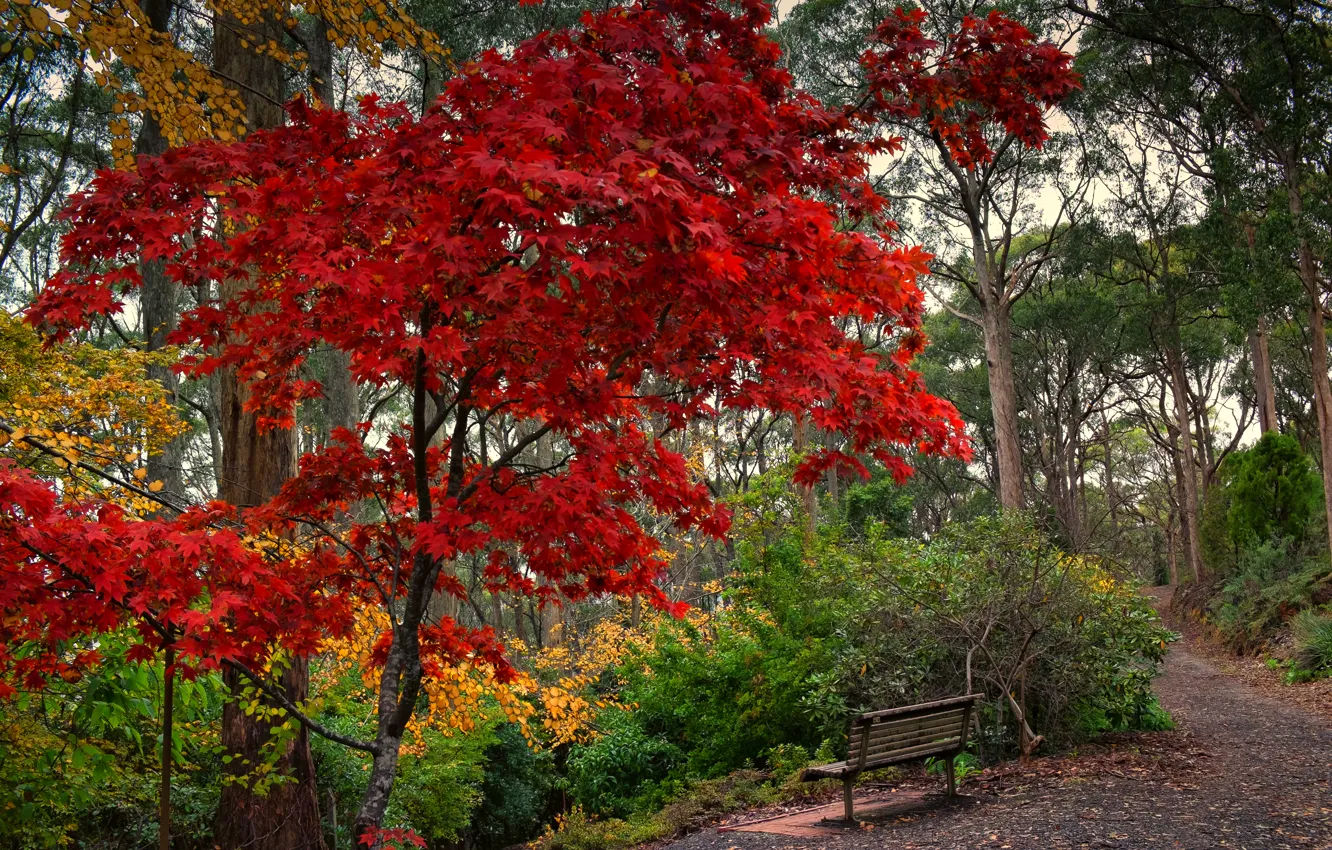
(1242,769)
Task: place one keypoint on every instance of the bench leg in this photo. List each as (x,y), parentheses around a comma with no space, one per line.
(848,783)
(952,783)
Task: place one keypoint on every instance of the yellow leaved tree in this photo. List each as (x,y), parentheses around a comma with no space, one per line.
(66,405)
(131,51)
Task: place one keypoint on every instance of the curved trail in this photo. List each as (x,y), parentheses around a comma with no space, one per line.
(1241,770)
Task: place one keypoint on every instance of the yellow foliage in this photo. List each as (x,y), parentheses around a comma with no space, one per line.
(189,101)
(554,686)
(86,404)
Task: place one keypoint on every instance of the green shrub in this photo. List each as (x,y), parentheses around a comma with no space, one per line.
(438,788)
(515,792)
(1270,586)
(996,604)
(1275,492)
(607,774)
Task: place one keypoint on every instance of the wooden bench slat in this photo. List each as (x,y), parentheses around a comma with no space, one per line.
(923,708)
(952,745)
(883,730)
(952,730)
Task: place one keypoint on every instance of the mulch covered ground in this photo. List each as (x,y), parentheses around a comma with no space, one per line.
(1246,768)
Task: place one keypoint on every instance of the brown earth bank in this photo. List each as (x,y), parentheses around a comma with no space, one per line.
(1246,767)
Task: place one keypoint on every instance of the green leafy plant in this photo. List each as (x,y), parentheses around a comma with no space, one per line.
(1313,641)
(965,765)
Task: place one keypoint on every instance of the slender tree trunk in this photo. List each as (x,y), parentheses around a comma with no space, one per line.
(831,478)
(1317,344)
(519,613)
(255,464)
(998,333)
(1172,552)
(808,500)
(1181,457)
(1264,387)
(1186,468)
(1111,498)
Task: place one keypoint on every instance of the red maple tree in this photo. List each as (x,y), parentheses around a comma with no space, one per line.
(607,234)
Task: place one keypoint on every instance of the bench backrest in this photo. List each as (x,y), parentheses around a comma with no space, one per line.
(913,732)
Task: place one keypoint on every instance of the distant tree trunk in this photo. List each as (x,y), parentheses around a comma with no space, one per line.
(159,301)
(1111,499)
(831,478)
(808,500)
(1072,469)
(1264,387)
(1181,456)
(519,624)
(1172,552)
(341,401)
(255,464)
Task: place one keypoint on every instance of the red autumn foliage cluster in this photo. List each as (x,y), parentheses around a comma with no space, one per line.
(612,232)
(991,73)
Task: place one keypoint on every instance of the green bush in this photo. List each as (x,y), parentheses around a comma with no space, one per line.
(515,791)
(1269,587)
(995,604)
(624,763)
(439,787)
(1275,493)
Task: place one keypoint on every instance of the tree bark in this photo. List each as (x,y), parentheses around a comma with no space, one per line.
(998,332)
(1111,498)
(1317,344)
(255,464)
(160,296)
(1186,480)
(1264,387)
(341,402)
(808,501)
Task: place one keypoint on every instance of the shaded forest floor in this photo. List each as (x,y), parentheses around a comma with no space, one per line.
(1244,768)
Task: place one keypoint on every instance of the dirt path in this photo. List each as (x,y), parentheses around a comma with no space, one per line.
(1241,770)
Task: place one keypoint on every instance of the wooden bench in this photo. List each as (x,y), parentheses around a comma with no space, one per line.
(911,733)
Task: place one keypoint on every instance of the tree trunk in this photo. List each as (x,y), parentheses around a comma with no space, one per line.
(1111,498)
(319,57)
(160,297)
(1172,553)
(832,479)
(808,501)
(255,464)
(998,334)
(1317,346)
(1264,388)
(341,403)
(1184,452)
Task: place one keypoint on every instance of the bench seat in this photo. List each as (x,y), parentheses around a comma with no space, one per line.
(897,735)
